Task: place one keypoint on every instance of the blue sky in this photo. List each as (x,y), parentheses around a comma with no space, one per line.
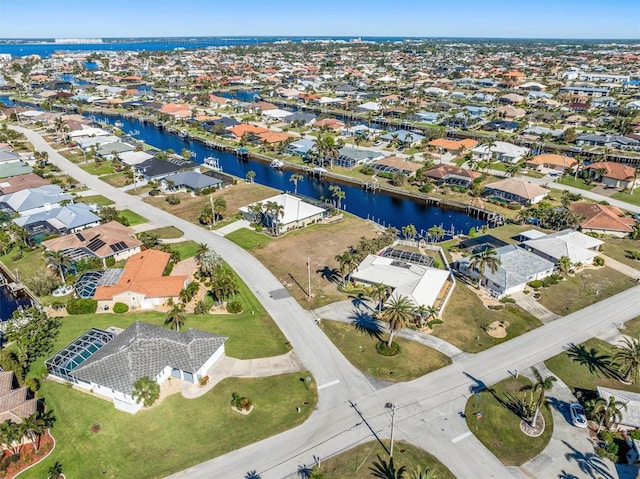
(449,18)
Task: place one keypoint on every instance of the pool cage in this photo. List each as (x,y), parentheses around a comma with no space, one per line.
(62,364)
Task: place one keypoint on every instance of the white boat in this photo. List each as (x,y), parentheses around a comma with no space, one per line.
(212,162)
(182,134)
(277,164)
(118,124)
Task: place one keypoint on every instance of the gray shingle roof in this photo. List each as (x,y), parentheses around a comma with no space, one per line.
(145,350)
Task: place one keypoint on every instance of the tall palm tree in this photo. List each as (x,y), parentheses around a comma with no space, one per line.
(579,163)
(397,313)
(627,358)
(326,147)
(609,411)
(60,260)
(358,140)
(541,384)
(345,261)
(421,313)
(435,232)
(32,426)
(378,293)
(295,178)
(338,194)
(513,169)
(175,317)
(564,263)
(480,261)
(382,469)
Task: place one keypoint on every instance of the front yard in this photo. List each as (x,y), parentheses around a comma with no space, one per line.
(620,249)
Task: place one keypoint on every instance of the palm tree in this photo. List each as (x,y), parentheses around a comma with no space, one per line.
(480,261)
(627,358)
(425,473)
(175,317)
(564,263)
(397,313)
(409,231)
(295,178)
(358,140)
(275,211)
(33,426)
(435,232)
(146,390)
(513,169)
(59,259)
(252,475)
(579,163)
(382,469)
(541,384)
(338,194)
(345,260)
(421,313)
(378,293)
(326,147)
(251,175)
(209,260)
(609,411)
(218,205)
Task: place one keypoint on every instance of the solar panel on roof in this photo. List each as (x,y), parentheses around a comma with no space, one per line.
(95,244)
(119,246)
(79,236)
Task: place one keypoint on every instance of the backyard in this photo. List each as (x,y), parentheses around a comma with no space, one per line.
(498,426)
(174,435)
(358,344)
(466,317)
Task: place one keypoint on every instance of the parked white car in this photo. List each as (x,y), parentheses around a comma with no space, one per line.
(578,417)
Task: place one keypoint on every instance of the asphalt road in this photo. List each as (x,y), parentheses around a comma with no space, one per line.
(427,408)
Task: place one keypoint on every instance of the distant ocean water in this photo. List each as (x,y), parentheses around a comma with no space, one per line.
(25,47)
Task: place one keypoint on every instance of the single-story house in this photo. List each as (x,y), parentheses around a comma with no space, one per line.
(405,138)
(34,200)
(614,175)
(501,151)
(423,285)
(21,182)
(190,180)
(134,157)
(60,221)
(630,414)
(395,164)
(518,190)
(155,168)
(453,147)
(104,241)
(239,131)
(301,146)
(10,169)
(109,151)
(350,157)
(142,284)
(452,175)
(16,403)
(551,161)
(297,213)
(603,219)
(517,267)
(109,364)
(578,247)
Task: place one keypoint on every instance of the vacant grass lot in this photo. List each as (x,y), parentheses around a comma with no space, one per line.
(587,366)
(499,427)
(134,218)
(97,199)
(98,169)
(465,317)
(359,347)
(286,256)
(174,435)
(167,232)
(187,248)
(355,463)
(117,179)
(618,249)
(249,239)
(585,288)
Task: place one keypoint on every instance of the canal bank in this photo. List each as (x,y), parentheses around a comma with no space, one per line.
(13,294)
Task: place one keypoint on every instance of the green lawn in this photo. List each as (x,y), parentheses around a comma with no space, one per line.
(97,199)
(98,170)
(31,263)
(587,367)
(355,463)
(359,347)
(627,197)
(117,179)
(248,239)
(174,435)
(167,232)
(134,218)
(619,249)
(187,248)
(465,318)
(632,327)
(583,289)
(579,183)
(499,427)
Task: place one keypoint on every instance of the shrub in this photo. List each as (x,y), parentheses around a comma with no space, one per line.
(203,380)
(507,299)
(110,261)
(234,307)
(120,308)
(201,308)
(82,306)
(242,403)
(535,284)
(598,261)
(32,383)
(549,280)
(172,200)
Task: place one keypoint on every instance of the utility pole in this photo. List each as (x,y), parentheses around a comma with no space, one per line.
(393,407)
(309,276)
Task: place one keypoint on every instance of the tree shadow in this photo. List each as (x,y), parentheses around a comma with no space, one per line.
(589,463)
(566,475)
(360,301)
(330,274)
(598,364)
(561,406)
(478,386)
(363,322)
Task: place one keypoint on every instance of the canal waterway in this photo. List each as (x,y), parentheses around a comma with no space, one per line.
(381,207)
(9,303)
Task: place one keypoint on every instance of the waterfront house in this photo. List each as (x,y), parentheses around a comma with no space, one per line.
(395,165)
(405,138)
(59,221)
(142,284)
(109,240)
(452,147)
(350,157)
(517,267)
(109,364)
(16,402)
(517,190)
(581,249)
(34,200)
(451,174)
(603,219)
(156,168)
(551,161)
(296,213)
(110,151)
(189,181)
(501,151)
(239,131)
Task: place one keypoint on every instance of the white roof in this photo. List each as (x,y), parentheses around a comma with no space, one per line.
(580,248)
(327,99)
(134,157)
(504,148)
(631,413)
(88,132)
(277,113)
(370,105)
(532,234)
(419,283)
(31,113)
(295,209)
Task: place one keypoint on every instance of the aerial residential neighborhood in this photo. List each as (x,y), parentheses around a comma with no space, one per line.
(337,255)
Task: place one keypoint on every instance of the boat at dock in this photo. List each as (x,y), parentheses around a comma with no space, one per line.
(118,124)
(212,162)
(277,164)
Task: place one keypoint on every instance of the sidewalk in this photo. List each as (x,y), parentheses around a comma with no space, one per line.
(235,226)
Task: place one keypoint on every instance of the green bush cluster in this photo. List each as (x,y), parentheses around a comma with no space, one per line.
(172,200)
(234,307)
(82,306)
(598,261)
(120,308)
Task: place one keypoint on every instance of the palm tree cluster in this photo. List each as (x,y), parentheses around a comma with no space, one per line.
(31,427)
(367,246)
(483,260)
(223,284)
(326,148)
(382,469)
(549,217)
(268,214)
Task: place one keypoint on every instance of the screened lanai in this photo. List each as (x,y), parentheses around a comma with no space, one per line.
(73,355)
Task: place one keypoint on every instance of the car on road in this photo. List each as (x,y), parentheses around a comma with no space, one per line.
(578,417)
